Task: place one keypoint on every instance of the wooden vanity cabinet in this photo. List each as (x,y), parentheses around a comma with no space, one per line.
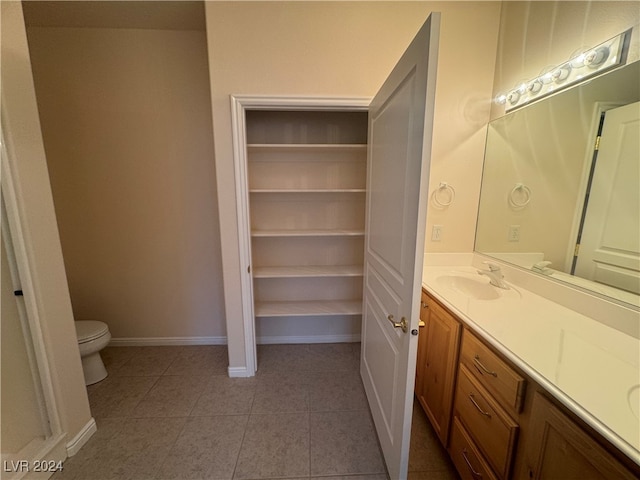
(557,448)
(501,424)
(488,398)
(438,345)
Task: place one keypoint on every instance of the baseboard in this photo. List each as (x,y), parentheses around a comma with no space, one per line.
(263,340)
(238,372)
(165,341)
(301,339)
(82,437)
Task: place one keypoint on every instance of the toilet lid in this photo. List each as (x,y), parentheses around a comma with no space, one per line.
(88,330)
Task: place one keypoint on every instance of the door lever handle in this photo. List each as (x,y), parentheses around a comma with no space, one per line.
(401,324)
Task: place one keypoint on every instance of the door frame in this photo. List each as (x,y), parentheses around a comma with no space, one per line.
(53,445)
(239,105)
(599,109)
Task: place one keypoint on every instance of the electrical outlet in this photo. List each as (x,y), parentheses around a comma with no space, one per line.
(514,233)
(436,233)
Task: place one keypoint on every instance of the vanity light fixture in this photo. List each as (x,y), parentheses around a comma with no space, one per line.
(585,65)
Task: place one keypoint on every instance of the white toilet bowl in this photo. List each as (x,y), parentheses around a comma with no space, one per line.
(93,336)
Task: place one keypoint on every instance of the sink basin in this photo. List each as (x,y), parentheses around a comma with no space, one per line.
(479,288)
(474,286)
(634,401)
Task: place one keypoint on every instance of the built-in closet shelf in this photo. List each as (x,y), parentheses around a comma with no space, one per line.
(307,190)
(309,271)
(307,233)
(304,147)
(308,308)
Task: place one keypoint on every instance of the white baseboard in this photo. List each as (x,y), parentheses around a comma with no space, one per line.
(238,372)
(165,341)
(82,437)
(263,340)
(301,339)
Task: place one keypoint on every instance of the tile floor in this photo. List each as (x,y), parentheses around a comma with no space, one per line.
(172,413)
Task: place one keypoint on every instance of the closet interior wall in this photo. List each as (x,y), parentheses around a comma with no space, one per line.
(306,187)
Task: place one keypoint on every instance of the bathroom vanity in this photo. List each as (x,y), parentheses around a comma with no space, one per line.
(518,386)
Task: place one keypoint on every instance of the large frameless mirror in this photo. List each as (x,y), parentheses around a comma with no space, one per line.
(560,190)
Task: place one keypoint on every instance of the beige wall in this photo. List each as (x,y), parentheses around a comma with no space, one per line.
(126,121)
(347,49)
(21,128)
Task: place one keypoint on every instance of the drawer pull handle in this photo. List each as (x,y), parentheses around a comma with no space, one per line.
(466,459)
(481,368)
(473,400)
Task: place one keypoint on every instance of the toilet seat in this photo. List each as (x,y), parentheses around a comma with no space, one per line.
(88,330)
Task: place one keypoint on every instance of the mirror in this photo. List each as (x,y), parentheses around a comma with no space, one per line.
(545,189)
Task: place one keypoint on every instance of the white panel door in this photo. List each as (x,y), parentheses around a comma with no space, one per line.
(400,126)
(610,241)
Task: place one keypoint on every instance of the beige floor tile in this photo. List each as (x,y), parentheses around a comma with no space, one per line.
(282,358)
(225,396)
(171,396)
(331,391)
(334,357)
(275,446)
(207,449)
(224,431)
(433,475)
(118,396)
(200,360)
(148,361)
(281,393)
(379,476)
(135,451)
(344,443)
(114,357)
(426,453)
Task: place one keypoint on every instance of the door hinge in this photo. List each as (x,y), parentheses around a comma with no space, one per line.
(249,269)
(577,249)
(18,293)
(597,145)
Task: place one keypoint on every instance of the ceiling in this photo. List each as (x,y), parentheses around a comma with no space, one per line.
(156,15)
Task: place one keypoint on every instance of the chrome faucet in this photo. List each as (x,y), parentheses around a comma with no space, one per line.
(495,276)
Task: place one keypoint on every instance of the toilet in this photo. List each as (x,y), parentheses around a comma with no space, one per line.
(93,336)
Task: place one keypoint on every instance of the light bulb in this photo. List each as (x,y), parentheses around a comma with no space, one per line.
(513,97)
(561,73)
(596,57)
(535,86)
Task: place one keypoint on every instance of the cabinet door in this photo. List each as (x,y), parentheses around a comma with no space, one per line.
(441,343)
(557,448)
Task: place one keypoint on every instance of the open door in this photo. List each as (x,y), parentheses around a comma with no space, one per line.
(400,128)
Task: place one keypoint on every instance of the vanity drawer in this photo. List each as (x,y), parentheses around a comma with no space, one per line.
(493,431)
(493,373)
(466,457)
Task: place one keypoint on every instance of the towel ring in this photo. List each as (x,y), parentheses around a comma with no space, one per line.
(444,189)
(522,199)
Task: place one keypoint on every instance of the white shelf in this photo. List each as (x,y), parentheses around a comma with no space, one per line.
(309,271)
(308,308)
(307,190)
(307,233)
(306,147)
(307,203)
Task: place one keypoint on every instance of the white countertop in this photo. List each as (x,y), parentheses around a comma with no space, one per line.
(587,365)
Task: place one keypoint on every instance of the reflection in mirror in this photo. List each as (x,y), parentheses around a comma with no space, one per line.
(552,203)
